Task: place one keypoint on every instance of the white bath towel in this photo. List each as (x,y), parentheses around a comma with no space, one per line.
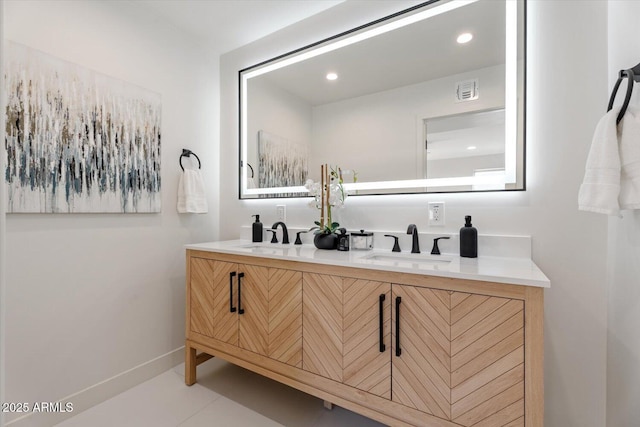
(629,130)
(601,185)
(191,194)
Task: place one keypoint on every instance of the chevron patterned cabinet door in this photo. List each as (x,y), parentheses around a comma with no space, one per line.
(367,336)
(487,361)
(254,317)
(225,301)
(285,316)
(421,360)
(322,325)
(201,283)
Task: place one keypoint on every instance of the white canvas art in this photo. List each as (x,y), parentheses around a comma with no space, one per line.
(283,163)
(78,140)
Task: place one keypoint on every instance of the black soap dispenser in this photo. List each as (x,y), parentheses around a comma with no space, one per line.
(468,239)
(257,229)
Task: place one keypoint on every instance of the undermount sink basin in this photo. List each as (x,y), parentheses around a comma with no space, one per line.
(262,249)
(278,249)
(400,259)
(252,246)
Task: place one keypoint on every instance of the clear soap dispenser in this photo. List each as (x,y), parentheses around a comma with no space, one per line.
(468,239)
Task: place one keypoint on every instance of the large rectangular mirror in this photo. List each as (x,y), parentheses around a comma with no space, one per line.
(431,99)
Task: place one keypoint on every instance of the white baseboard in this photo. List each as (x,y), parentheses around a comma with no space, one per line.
(103,390)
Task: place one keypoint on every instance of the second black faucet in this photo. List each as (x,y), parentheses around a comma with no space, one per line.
(285,232)
(415,246)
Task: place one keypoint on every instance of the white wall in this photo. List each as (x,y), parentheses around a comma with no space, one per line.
(623,362)
(377,134)
(90,296)
(569,246)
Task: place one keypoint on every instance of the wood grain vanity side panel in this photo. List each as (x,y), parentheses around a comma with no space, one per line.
(534,357)
(365,366)
(285,316)
(322,325)
(201,296)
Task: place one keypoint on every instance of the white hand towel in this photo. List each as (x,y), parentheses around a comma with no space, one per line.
(601,185)
(630,160)
(191,194)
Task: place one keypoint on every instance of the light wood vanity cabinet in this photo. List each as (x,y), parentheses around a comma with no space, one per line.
(220,291)
(241,305)
(367,336)
(200,296)
(285,316)
(405,349)
(421,350)
(322,325)
(461,355)
(230,302)
(341,331)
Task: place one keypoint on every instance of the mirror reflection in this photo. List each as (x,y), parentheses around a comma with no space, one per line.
(467,144)
(399,110)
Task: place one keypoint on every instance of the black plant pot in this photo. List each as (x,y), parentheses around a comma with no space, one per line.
(326,241)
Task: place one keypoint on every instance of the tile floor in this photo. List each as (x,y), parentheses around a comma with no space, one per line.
(224,396)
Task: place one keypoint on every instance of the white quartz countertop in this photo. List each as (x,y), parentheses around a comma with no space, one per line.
(516,271)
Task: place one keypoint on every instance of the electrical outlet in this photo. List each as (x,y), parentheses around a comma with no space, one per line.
(281,213)
(436,213)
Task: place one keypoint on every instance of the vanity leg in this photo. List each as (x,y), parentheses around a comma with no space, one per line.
(189,365)
(328,405)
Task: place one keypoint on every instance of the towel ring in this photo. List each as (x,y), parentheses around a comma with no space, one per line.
(187,153)
(632,75)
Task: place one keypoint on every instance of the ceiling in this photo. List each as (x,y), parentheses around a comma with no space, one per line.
(225,25)
(428,51)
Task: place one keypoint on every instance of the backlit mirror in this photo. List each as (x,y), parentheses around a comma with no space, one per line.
(428,100)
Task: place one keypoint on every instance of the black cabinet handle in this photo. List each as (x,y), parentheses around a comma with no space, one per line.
(232,309)
(382,346)
(398,350)
(240,309)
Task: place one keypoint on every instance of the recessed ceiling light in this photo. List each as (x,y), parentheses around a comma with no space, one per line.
(332,76)
(464,38)
(471,147)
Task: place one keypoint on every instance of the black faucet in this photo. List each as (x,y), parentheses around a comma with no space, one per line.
(396,246)
(436,250)
(274,237)
(298,240)
(285,232)
(415,247)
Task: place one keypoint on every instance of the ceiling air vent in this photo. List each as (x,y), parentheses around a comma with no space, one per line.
(467,90)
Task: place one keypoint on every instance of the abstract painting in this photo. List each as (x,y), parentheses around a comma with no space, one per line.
(77,140)
(283,163)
